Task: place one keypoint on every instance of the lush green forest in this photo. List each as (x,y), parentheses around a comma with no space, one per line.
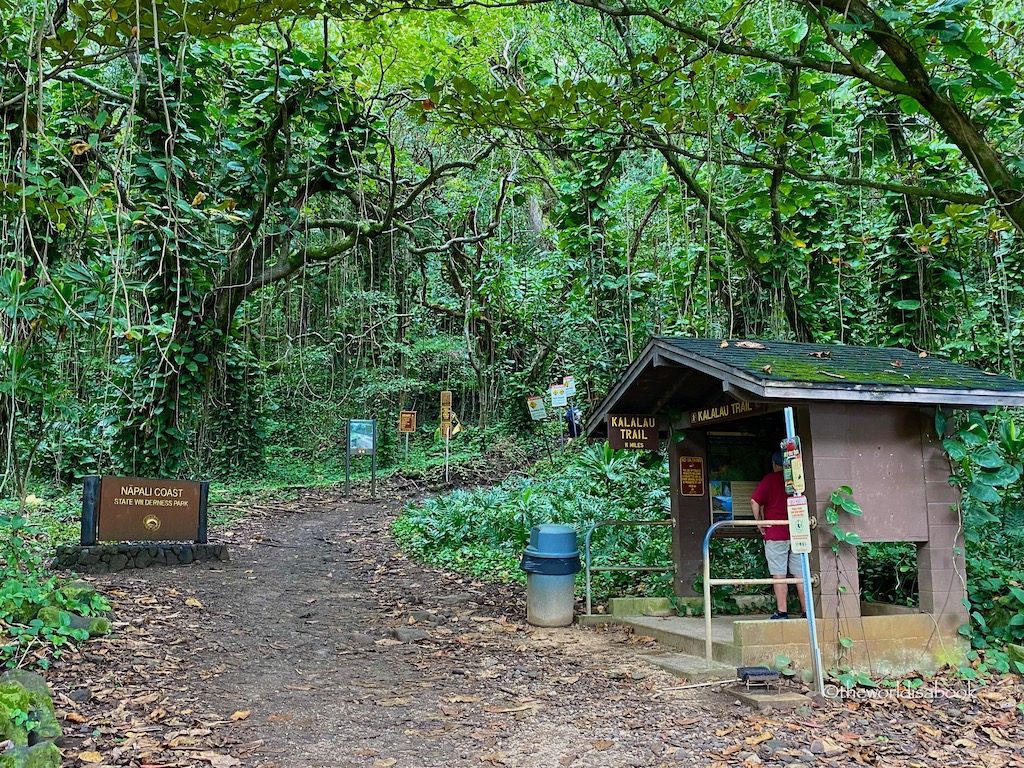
(226,227)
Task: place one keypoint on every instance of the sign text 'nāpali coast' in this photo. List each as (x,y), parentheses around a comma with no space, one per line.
(635,432)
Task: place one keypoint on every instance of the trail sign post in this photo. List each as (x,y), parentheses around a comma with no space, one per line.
(407,422)
(559,397)
(446,426)
(407,426)
(537,410)
(633,431)
(792,442)
(361,440)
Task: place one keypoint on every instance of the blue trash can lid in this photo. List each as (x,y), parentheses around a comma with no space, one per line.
(551,540)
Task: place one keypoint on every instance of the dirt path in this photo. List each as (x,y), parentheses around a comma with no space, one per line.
(320,646)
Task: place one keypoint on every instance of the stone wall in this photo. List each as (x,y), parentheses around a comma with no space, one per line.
(108,558)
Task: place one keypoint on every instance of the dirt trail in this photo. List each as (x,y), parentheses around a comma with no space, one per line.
(321,646)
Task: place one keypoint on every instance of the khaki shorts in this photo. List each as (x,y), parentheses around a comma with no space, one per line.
(781,560)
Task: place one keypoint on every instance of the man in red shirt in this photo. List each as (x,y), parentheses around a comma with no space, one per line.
(769,503)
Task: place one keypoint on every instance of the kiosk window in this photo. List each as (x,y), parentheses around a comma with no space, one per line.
(735,467)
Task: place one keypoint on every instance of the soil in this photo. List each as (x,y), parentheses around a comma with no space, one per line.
(320,645)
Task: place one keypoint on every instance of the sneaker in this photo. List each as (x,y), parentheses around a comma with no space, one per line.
(780,615)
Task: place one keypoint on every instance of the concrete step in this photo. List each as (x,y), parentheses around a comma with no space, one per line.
(693,669)
(688,640)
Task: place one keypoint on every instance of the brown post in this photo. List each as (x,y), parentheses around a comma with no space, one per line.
(827,448)
(691,515)
(940,560)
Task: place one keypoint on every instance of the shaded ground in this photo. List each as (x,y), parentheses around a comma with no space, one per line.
(320,645)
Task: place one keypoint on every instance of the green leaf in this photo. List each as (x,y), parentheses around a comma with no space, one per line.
(983,493)
(957,451)
(987,458)
(907,304)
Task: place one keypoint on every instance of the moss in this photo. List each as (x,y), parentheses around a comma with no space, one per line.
(40,756)
(29,693)
(50,616)
(815,371)
(99,626)
(15,706)
(78,592)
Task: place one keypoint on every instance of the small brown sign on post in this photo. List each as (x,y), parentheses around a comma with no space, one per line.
(407,422)
(636,432)
(142,509)
(691,476)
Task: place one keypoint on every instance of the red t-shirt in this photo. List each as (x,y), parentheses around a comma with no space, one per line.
(771,495)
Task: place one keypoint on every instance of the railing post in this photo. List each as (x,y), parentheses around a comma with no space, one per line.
(589,569)
(708,645)
(586,559)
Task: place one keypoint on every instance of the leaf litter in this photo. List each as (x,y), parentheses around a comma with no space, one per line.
(247,677)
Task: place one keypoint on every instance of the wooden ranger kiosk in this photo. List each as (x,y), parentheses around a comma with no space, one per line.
(867,419)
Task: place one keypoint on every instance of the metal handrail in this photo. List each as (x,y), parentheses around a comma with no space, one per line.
(645,568)
(709,582)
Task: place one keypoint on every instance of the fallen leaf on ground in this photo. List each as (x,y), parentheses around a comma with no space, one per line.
(763,736)
(602,744)
(218,760)
(90,757)
(241,714)
(394,701)
(193,602)
(495,709)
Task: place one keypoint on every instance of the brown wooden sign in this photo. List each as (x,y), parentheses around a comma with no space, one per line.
(635,432)
(141,509)
(691,476)
(736,409)
(407,422)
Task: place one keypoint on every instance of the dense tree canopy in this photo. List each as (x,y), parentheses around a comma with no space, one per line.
(214,210)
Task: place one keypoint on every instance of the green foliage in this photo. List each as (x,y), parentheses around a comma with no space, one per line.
(484,531)
(36,607)
(841,501)
(986,452)
(888,572)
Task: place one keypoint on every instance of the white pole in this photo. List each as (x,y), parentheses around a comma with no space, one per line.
(805,563)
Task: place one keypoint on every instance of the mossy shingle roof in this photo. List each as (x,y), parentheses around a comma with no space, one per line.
(839,366)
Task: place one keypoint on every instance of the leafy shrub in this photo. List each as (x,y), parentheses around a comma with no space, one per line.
(986,453)
(40,614)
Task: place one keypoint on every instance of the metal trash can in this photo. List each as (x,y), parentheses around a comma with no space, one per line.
(551,562)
